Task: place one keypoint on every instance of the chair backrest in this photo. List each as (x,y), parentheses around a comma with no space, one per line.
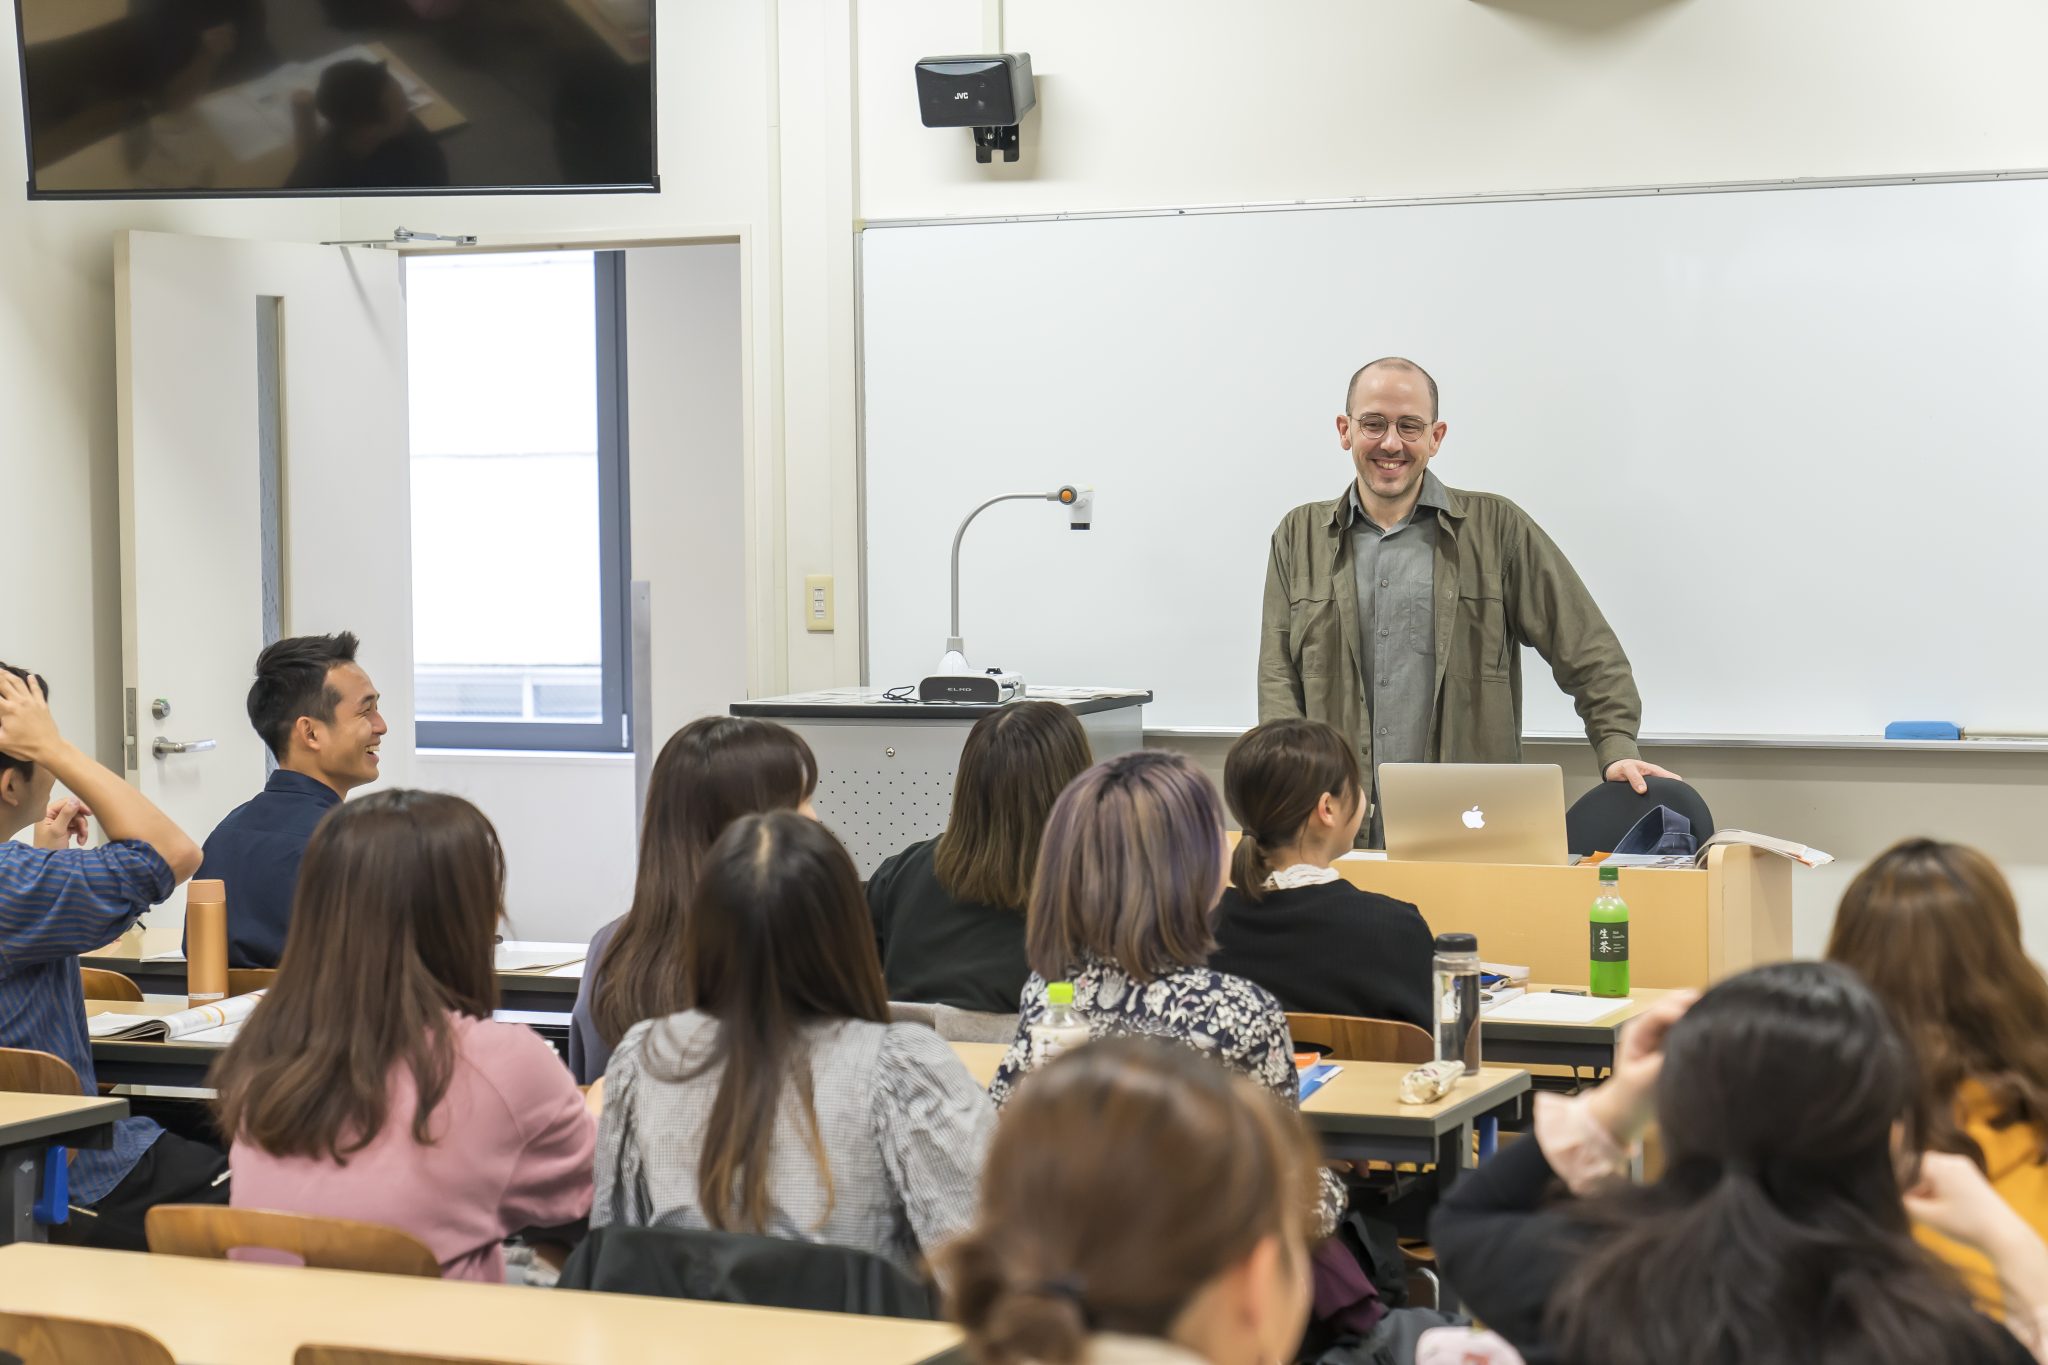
(101,985)
(1597,820)
(26,1071)
(1364,1040)
(242,980)
(34,1339)
(972,1026)
(908,1012)
(364,1355)
(212,1231)
(738,1267)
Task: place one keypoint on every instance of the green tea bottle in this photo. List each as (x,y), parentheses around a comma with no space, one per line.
(1609,972)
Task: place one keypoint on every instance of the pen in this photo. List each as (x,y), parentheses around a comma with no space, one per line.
(1566,990)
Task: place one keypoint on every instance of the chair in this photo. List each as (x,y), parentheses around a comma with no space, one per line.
(25,1071)
(210,1231)
(972,1026)
(34,1339)
(365,1355)
(905,1012)
(101,985)
(738,1267)
(1363,1040)
(1597,820)
(242,980)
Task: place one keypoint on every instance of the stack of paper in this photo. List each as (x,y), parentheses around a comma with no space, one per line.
(1549,1007)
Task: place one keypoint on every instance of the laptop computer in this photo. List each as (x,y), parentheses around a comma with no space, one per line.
(1474,812)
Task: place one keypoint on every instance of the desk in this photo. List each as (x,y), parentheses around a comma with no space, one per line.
(1686,928)
(1359,1116)
(183,1065)
(231,1313)
(29,1126)
(1542,1043)
(518,991)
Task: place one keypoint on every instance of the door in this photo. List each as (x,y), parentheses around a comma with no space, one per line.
(264,492)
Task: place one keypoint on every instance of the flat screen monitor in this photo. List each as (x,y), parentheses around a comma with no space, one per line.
(183,98)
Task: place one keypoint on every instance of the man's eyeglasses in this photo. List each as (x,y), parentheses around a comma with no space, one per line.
(1374,426)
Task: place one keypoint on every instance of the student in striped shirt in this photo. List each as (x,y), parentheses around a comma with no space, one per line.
(58,901)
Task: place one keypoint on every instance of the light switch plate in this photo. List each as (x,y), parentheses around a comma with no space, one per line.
(818,616)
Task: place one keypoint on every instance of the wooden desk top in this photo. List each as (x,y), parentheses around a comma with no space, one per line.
(230,1313)
(1363,1097)
(33,1118)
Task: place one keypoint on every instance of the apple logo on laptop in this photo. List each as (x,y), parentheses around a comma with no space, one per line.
(1475,818)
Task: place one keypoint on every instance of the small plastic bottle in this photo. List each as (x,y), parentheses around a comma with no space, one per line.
(1608,974)
(1061,1028)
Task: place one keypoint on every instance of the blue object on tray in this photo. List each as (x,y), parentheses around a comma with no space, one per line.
(53,1201)
(1923,729)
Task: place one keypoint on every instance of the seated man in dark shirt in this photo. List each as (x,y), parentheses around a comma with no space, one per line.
(317,710)
(371,140)
(57,901)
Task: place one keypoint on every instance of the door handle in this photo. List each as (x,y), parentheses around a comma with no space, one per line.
(164,748)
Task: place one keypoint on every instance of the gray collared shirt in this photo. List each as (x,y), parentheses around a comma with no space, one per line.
(1395,568)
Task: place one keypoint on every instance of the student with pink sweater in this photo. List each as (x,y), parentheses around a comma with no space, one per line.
(372,1083)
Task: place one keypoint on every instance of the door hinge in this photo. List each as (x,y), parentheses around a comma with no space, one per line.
(129,748)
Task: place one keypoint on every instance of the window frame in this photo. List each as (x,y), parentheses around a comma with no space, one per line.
(612,732)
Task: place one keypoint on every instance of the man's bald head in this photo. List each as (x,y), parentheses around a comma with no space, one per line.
(1393,362)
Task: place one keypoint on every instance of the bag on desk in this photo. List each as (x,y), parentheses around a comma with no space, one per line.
(1663,833)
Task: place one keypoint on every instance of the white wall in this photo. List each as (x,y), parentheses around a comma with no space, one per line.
(1180,102)
(566,824)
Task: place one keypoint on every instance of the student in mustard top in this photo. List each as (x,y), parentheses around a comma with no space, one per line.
(371,1082)
(1935,931)
(58,901)
(316,711)
(949,911)
(1140,1207)
(1791,1114)
(781,1101)
(711,772)
(1288,920)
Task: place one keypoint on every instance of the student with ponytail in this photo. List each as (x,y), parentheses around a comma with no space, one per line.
(1141,1206)
(1288,921)
(1792,1118)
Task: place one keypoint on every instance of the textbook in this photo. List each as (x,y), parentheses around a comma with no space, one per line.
(201,1024)
(1313,1078)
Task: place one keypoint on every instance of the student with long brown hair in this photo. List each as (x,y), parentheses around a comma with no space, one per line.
(1141,1207)
(1935,931)
(1288,920)
(372,1083)
(781,1101)
(949,911)
(711,772)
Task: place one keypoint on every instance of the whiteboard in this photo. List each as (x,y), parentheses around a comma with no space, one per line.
(1793,441)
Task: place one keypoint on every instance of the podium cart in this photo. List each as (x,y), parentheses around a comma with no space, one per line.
(886,767)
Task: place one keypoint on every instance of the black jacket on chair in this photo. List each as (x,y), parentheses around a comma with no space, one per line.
(738,1267)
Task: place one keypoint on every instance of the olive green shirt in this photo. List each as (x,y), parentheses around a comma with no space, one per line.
(1498,583)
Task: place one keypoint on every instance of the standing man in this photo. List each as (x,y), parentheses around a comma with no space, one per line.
(317,711)
(1394,610)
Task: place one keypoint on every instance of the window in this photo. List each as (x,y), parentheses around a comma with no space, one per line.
(517,390)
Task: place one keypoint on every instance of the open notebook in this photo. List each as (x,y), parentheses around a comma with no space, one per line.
(200,1024)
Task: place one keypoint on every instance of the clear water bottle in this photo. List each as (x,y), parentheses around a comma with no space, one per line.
(1456,967)
(1060,1029)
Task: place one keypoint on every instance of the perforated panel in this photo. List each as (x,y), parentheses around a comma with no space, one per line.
(884,784)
